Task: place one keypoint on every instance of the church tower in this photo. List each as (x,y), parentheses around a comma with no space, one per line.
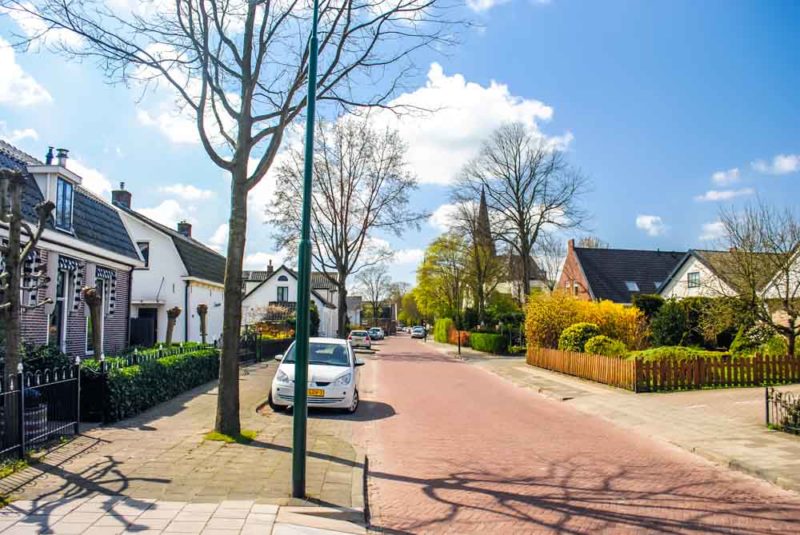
(483,234)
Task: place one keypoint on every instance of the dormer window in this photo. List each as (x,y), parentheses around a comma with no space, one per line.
(64,197)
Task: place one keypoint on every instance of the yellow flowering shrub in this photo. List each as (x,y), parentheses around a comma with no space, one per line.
(548,315)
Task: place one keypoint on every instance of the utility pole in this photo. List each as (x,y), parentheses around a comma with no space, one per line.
(302,331)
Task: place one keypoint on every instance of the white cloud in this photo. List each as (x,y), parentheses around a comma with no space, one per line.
(260,260)
(187,191)
(17,135)
(25,16)
(782,164)
(651,224)
(724,178)
(724,195)
(219,239)
(93,180)
(168,213)
(464,113)
(17,87)
(442,218)
(177,126)
(712,231)
(483,5)
(408,256)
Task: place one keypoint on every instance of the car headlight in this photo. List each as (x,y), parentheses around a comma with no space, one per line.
(281,377)
(344,380)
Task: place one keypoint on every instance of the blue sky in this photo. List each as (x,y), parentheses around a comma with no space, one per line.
(672,109)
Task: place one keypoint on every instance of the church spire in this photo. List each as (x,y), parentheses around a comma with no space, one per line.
(483,234)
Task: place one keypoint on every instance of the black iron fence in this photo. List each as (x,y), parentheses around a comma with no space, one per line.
(255,348)
(37,408)
(783,410)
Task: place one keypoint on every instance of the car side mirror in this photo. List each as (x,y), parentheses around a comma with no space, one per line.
(359,362)
(279,357)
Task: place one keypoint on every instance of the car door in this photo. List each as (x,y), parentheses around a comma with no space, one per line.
(356,371)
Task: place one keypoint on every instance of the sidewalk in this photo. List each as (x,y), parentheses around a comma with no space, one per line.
(161,457)
(725,426)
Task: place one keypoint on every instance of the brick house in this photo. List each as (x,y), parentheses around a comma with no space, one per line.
(84,244)
(591,273)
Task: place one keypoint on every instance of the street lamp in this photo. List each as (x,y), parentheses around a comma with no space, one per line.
(304,282)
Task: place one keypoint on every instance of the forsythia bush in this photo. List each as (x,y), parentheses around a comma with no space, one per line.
(441,329)
(548,315)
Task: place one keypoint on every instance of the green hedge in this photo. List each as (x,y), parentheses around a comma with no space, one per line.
(488,342)
(574,337)
(134,389)
(603,345)
(674,353)
(441,328)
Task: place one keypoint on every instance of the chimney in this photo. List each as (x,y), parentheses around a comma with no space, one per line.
(185,228)
(270,270)
(61,156)
(121,197)
(48,159)
(571,244)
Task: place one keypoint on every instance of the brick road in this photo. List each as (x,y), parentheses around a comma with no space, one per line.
(456,449)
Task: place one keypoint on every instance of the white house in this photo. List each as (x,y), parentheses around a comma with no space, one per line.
(698,274)
(179,271)
(279,289)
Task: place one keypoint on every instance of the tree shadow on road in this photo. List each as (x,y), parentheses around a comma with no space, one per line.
(564,500)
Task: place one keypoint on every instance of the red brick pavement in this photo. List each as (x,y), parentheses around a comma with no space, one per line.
(460,450)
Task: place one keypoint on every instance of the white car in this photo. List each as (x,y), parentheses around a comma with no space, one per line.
(360,339)
(332,376)
(418,332)
(376,333)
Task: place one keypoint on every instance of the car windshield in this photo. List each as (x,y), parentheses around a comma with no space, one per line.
(359,333)
(322,353)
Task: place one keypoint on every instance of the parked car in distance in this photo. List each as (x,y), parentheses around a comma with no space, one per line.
(332,376)
(418,332)
(360,339)
(376,333)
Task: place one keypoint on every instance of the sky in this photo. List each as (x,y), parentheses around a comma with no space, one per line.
(673,110)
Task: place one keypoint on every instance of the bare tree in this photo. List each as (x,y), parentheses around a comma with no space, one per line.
(19,247)
(763,264)
(592,242)
(375,283)
(485,269)
(238,69)
(550,255)
(529,187)
(361,185)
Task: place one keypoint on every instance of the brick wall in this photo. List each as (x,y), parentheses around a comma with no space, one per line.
(34,321)
(572,279)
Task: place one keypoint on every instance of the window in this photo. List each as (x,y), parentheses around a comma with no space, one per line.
(283,278)
(64,194)
(144,248)
(694,279)
(283,294)
(632,286)
(58,318)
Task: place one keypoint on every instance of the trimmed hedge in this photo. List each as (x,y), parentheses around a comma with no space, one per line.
(441,329)
(134,389)
(603,345)
(574,337)
(675,353)
(488,342)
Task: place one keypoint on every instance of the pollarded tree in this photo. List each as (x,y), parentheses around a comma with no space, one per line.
(530,190)
(361,185)
(239,69)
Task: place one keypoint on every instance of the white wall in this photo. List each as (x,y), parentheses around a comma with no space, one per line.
(710,284)
(211,296)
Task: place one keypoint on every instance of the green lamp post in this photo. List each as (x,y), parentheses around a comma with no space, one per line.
(304,282)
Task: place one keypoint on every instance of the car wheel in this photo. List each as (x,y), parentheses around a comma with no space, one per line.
(354,405)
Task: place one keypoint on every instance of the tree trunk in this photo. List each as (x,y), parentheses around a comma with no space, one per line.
(172,318)
(341,306)
(14,268)
(202,312)
(227,421)
(526,273)
(94,301)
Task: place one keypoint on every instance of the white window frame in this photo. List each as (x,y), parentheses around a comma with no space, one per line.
(61,344)
(149,250)
(286,300)
(71,186)
(689,282)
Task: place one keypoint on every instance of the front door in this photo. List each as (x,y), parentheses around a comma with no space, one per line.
(144,329)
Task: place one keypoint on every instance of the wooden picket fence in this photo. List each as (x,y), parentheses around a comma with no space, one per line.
(607,370)
(666,375)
